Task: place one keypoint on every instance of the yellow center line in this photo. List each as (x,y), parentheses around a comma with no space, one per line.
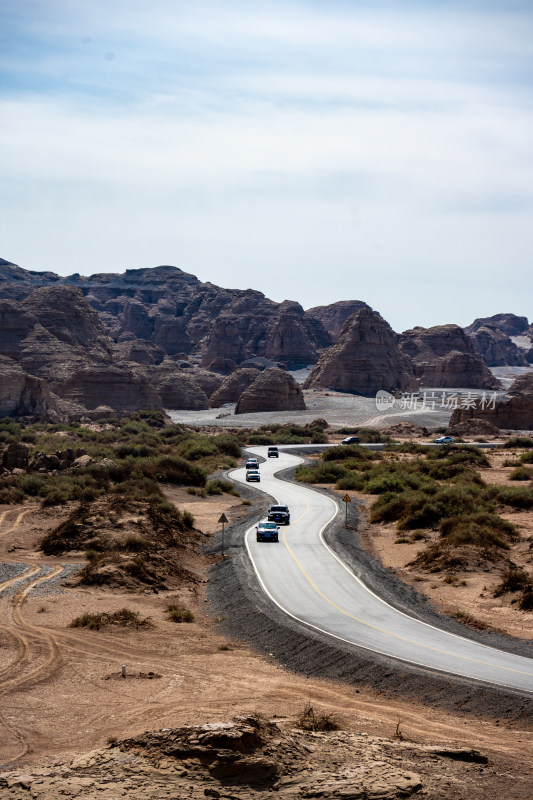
(382,630)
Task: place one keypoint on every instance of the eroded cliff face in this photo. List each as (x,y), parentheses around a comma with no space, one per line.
(364,359)
(179,314)
(272,390)
(497,348)
(22,394)
(444,357)
(332,317)
(513,412)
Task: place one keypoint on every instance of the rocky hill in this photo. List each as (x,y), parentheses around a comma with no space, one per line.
(444,356)
(364,359)
(180,315)
(334,316)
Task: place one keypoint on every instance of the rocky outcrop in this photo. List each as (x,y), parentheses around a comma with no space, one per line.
(497,348)
(225,347)
(513,412)
(233,386)
(177,388)
(22,394)
(178,313)
(272,390)
(288,339)
(129,348)
(333,316)
(445,357)
(475,427)
(364,359)
(507,323)
(124,389)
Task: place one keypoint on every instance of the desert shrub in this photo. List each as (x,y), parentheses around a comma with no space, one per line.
(527,458)
(260,438)
(321,473)
(188,519)
(525,602)
(219,486)
(521,474)
(459,454)
(10,495)
(177,613)
(54,497)
(135,543)
(481,529)
(311,720)
(385,483)
(32,485)
(195,491)
(514,496)
(519,441)
(342,452)
(197,447)
(134,451)
(124,617)
(351,480)
(176,470)
(514,579)
(156,419)
(227,444)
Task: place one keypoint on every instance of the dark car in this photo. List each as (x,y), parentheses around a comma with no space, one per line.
(252,463)
(253,475)
(351,440)
(273,452)
(280,514)
(267,532)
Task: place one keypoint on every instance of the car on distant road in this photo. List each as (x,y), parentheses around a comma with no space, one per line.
(444,440)
(280,514)
(267,531)
(351,440)
(253,475)
(273,452)
(252,463)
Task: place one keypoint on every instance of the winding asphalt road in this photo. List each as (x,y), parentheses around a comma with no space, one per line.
(304,578)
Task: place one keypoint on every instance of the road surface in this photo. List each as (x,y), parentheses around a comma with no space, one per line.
(303,576)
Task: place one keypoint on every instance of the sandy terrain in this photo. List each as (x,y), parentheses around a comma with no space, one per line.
(63,695)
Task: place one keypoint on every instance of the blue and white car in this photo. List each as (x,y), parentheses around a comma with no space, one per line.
(444,440)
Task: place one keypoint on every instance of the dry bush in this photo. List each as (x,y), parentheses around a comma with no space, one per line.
(311,720)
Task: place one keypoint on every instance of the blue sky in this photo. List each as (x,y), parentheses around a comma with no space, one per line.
(316,151)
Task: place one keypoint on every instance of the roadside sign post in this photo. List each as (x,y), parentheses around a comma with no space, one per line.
(346,499)
(223,519)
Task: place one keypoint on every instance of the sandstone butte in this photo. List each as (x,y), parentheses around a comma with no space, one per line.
(445,357)
(272,390)
(364,359)
(513,412)
(233,386)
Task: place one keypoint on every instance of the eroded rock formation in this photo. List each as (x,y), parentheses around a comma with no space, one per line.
(508,323)
(513,412)
(233,386)
(497,347)
(364,359)
(272,390)
(444,357)
(333,316)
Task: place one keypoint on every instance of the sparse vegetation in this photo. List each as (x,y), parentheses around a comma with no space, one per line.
(125,618)
(177,613)
(311,720)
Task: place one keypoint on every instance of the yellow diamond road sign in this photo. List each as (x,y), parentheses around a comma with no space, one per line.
(346,499)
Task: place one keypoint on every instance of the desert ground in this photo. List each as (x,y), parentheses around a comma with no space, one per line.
(68,716)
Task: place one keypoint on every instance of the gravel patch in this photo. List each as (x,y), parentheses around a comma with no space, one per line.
(53,586)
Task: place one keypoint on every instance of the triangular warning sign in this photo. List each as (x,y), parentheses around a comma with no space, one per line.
(223,518)
(346,499)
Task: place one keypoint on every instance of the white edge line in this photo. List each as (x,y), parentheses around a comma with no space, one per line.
(356,644)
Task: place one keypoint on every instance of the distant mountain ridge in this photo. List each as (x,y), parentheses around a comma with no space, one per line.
(154,337)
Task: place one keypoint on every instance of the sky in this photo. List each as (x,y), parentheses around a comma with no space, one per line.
(315,150)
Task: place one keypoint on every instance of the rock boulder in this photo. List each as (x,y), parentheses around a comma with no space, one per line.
(233,386)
